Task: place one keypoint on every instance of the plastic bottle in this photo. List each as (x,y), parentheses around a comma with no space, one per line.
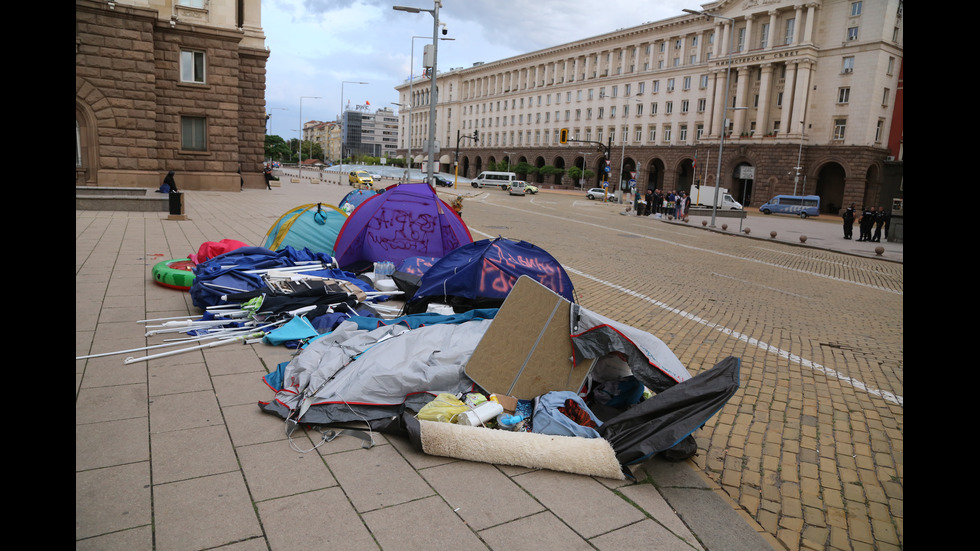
(480,414)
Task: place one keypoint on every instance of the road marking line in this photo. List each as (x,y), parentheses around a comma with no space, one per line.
(855,383)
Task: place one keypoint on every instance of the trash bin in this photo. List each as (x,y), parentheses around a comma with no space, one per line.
(176,203)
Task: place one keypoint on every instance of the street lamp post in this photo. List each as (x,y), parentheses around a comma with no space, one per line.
(340,177)
(509,153)
(411,103)
(724,117)
(301,128)
(799,157)
(434,12)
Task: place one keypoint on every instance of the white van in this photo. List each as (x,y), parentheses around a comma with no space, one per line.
(500,180)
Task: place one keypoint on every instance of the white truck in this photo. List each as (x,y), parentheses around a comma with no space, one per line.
(722,199)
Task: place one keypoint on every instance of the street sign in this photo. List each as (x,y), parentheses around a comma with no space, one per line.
(607,168)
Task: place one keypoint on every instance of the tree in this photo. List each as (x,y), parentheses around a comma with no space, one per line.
(276,148)
(524,168)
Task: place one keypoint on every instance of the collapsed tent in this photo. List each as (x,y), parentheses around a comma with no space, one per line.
(234,272)
(406,220)
(314,227)
(481,274)
(363,375)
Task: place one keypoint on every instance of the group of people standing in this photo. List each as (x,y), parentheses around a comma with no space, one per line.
(657,202)
(869,220)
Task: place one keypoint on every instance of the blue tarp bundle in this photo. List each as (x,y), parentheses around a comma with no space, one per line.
(225,274)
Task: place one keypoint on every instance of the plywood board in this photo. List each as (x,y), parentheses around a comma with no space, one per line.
(527,350)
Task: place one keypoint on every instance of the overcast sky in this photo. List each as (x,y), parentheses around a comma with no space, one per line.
(315,45)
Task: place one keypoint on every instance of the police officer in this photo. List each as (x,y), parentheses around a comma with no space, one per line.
(881,219)
(848,217)
(866,222)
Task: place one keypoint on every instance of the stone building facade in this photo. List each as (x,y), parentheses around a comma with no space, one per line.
(173,85)
(810,85)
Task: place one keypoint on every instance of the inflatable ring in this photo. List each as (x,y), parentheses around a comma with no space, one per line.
(176,273)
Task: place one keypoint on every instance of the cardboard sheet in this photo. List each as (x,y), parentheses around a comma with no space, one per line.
(527,350)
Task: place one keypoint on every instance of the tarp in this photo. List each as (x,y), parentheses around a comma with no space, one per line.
(481,274)
(314,227)
(406,220)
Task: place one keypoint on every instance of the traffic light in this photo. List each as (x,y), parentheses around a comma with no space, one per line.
(563,136)
(476,135)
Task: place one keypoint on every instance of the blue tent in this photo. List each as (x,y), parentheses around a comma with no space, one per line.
(481,275)
(314,227)
(354,199)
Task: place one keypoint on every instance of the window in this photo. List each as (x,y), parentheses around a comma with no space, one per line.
(694,40)
(677,44)
(626,111)
(779,99)
(764,38)
(656,86)
(626,90)
(683,133)
(669,107)
(600,112)
(790,25)
(684,106)
(891,66)
(670,85)
(590,93)
(699,132)
(612,112)
(687,83)
(840,125)
(852,33)
(588,114)
(844,95)
(740,41)
(191,66)
(639,109)
(193,134)
(667,134)
(847,66)
(884,97)
(598,134)
(662,46)
(855,9)
(642,86)
(701,105)
(615,91)
(652,133)
(653,109)
(879,130)
(704,81)
(638,134)
(677,62)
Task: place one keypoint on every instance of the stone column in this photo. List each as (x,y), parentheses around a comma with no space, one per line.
(800,97)
(810,13)
(762,114)
(741,100)
(789,89)
(721,96)
(797,32)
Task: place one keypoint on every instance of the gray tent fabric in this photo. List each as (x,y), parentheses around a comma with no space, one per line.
(649,358)
(353,374)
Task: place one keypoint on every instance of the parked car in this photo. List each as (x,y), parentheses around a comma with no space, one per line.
(517,187)
(442,181)
(360,179)
(596,193)
(531,189)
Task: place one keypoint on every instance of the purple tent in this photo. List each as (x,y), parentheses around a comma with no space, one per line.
(406,220)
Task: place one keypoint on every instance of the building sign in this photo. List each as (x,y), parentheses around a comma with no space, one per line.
(746,172)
